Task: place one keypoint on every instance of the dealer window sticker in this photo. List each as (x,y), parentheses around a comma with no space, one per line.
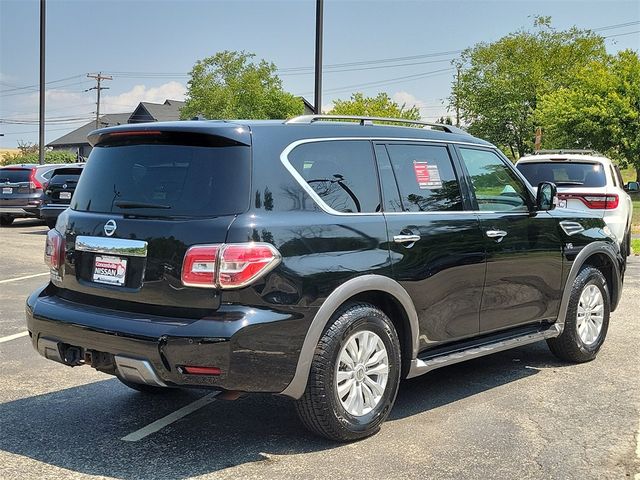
(427,176)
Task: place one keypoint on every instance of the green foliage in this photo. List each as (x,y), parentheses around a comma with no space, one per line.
(57,156)
(231,85)
(501,83)
(378,106)
(601,110)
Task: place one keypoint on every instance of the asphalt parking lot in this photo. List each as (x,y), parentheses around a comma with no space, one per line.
(516,414)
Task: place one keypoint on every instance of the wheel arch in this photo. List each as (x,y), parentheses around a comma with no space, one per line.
(602,256)
(382,292)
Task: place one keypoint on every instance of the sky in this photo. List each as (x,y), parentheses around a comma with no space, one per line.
(149,47)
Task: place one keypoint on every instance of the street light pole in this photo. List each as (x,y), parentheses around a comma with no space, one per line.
(318,87)
(43,12)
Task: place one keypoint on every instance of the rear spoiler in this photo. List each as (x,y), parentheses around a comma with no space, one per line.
(192,133)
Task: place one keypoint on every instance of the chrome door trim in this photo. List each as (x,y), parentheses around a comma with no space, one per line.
(284,159)
(112,246)
(406,238)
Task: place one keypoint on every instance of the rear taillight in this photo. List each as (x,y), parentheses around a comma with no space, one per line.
(227,265)
(199,266)
(54,250)
(594,200)
(34,183)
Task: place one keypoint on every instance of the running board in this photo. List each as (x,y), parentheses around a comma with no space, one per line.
(420,367)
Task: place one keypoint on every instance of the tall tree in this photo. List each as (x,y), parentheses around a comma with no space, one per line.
(601,110)
(379,106)
(232,85)
(500,83)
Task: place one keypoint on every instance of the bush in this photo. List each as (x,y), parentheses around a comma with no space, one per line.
(58,156)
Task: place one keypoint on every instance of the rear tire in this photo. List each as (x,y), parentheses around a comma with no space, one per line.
(144,388)
(6,220)
(354,375)
(587,320)
(51,223)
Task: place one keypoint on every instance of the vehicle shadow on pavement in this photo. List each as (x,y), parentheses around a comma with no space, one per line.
(80,428)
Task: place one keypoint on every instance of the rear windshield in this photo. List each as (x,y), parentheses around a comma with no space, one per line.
(14,175)
(63,175)
(165,181)
(564,174)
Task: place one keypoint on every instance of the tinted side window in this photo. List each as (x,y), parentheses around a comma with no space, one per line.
(342,173)
(426,178)
(496,187)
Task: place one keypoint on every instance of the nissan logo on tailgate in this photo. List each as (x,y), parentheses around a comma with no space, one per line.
(110,227)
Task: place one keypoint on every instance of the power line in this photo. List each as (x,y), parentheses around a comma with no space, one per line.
(622,34)
(612,27)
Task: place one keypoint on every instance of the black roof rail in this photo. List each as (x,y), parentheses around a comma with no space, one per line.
(308,119)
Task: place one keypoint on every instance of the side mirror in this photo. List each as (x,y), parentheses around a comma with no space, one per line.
(546,197)
(632,187)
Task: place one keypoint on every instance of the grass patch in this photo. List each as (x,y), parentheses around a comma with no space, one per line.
(635,220)
(635,246)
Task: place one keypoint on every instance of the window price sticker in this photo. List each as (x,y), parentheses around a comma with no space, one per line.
(427,176)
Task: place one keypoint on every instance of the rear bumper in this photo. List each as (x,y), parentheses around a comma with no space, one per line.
(255,349)
(51,211)
(16,211)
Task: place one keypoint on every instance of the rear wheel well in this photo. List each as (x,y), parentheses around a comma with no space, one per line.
(397,314)
(603,263)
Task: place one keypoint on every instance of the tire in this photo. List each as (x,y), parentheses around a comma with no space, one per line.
(148,389)
(320,408)
(6,220)
(51,223)
(627,244)
(571,346)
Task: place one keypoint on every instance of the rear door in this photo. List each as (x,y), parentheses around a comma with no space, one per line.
(140,203)
(524,248)
(437,248)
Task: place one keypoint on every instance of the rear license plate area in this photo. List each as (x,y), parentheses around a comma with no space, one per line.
(109,270)
(65,196)
(7,190)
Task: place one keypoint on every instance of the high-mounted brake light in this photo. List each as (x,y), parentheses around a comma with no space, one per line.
(34,183)
(228,265)
(54,250)
(595,201)
(134,133)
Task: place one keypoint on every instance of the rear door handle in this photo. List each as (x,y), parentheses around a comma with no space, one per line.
(498,234)
(406,238)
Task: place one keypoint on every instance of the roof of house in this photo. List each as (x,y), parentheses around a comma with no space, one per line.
(160,112)
(79,135)
(144,112)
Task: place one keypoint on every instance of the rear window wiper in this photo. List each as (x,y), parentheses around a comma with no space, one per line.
(131,204)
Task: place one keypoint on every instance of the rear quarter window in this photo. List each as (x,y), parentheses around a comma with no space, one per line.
(342,173)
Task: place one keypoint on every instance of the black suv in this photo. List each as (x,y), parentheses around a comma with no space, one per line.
(319,259)
(58,192)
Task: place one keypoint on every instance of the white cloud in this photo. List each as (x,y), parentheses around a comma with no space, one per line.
(127,101)
(408,99)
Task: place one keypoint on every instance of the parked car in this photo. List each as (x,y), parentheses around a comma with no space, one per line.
(58,192)
(314,258)
(586,181)
(21,190)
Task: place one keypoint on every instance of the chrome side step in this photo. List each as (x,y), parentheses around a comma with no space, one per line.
(137,371)
(420,367)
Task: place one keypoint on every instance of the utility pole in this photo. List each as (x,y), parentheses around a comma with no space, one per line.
(98,78)
(458,97)
(43,12)
(318,87)
(538,141)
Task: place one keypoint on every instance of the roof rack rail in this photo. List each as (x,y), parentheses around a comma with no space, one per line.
(308,119)
(568,151)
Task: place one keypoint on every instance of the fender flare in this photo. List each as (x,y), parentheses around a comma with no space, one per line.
(576,266)
(340,295)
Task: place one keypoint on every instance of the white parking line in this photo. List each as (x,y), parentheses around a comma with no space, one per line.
(13,337)
(23,278)
(169,419)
